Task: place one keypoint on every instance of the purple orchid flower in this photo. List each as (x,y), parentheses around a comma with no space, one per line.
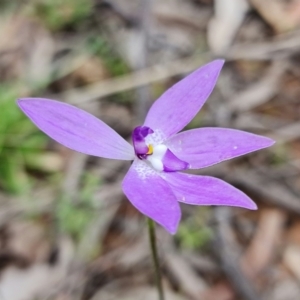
(154,183)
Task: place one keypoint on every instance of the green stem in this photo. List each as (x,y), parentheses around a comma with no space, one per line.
(152,239)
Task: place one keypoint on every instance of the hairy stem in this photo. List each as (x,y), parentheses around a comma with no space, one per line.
(152,239)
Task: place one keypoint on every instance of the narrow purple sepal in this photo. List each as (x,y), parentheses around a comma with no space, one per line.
(179,104)
(152,196)
(204,147)
(206,190)
(172,163)
(76,129)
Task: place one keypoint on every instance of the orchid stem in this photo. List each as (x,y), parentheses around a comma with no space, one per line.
(152,239)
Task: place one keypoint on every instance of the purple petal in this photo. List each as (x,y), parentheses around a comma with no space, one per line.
(172,163)
(151,195)
(208,146)
(76,129)
(178,105)
(206,190)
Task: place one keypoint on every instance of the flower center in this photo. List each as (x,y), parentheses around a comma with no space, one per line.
(150,150)
(157,155)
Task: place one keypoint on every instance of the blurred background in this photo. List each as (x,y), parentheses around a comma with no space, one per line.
(66,230)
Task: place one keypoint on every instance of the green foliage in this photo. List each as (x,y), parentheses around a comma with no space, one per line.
(193,233)
(57,14)
(8,4)
(279,155)
(74,218)
(113,62)
(115,65)
(18,138)
(196,122)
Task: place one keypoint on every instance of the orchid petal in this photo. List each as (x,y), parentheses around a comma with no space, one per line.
(171,163)
(76,129)
(204,147)
(178,105)
(206,190)
(151,195)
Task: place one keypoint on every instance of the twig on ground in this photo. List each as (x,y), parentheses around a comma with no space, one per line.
(262,91)
(286,133)
(269,190)
(282,47)
(180,270)
(227,250)
(266,238)
(73,174)
(127,82)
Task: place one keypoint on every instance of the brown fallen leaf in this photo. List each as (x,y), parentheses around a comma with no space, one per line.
(291,259)
(293,234)
(138,293)
(287,289)
(267,237)
(79,70)
(258,255)
(190,282)
(26,49)
(280,15)
(220,291)
(26,240)
(261,91)
(229,15)
(38,280)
